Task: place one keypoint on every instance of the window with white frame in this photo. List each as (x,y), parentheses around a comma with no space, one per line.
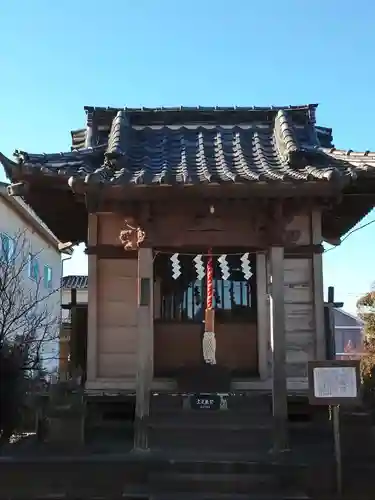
(48,277)
(7,247)
(33,267)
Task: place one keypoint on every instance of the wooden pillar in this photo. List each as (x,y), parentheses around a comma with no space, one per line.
(63,358)
(263,315)
(145,347)
(279,379)
(73,333)
(92,293)
(318,293)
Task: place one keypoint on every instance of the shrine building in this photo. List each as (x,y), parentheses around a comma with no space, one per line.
(204,230)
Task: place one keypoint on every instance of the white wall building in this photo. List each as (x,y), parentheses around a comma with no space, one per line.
(22,232)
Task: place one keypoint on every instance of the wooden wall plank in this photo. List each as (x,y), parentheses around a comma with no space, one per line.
(119,339)
(117,365)
(299,315)
(117,318)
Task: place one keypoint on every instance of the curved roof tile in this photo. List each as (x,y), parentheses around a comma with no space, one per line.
(285,146)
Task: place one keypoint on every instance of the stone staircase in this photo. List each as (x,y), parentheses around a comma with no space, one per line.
(221,451)
(224,450)
(228,423)
(206,479)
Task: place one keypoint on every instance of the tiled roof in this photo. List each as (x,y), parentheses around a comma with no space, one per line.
(74,281)
(185,146)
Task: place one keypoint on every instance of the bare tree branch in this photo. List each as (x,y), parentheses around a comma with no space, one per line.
(28,321)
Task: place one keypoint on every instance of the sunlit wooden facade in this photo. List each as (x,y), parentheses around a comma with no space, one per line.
(266,182)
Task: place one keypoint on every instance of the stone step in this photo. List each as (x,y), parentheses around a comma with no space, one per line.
(259,404)
(224,496)
(210,439)
(210,418)
(211,483)
(227,421)
(256,480)
(207,425)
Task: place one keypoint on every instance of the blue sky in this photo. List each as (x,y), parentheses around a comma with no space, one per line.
(57,57)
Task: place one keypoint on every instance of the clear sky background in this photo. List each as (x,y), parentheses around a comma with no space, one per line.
(56,57)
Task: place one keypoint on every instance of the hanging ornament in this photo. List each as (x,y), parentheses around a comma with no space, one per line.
(176,266)
(245,265)
(209,340)
(224,267)
(199,266)
(209,348)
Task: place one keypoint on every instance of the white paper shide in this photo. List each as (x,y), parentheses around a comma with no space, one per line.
(335,382)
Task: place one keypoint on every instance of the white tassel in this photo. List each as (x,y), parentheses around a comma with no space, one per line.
(209,348)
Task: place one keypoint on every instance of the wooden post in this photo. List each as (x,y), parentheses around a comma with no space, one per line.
(263,316)
(317,271)
(330,323)
(145,347)
(337,447)
(73,332)
(92,313)
(279,379)
(334,410)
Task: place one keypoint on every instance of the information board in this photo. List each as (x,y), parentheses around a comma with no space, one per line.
(334,382)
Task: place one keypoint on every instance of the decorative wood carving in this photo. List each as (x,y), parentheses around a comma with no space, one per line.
(132,237)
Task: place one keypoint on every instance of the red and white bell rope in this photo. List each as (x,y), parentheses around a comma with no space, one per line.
(210,280)
(209,340)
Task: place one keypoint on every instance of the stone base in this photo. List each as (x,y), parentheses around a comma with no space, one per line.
(65,432)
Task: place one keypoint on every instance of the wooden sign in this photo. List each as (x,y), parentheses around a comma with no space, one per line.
(334,382)
(205,402)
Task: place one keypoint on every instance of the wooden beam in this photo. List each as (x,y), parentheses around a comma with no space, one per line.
(145,346)
(279,380)
(106,251)
(92,292)
(318,293)
(263,329)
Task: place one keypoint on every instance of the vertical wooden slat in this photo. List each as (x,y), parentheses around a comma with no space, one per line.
(92,292)
(318,292)
(263,316)
(279,382)
(145,346)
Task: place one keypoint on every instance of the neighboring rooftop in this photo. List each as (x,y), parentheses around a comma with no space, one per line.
(78,282)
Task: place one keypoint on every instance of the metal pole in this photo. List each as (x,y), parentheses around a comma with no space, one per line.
(335,410)
(337,446)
